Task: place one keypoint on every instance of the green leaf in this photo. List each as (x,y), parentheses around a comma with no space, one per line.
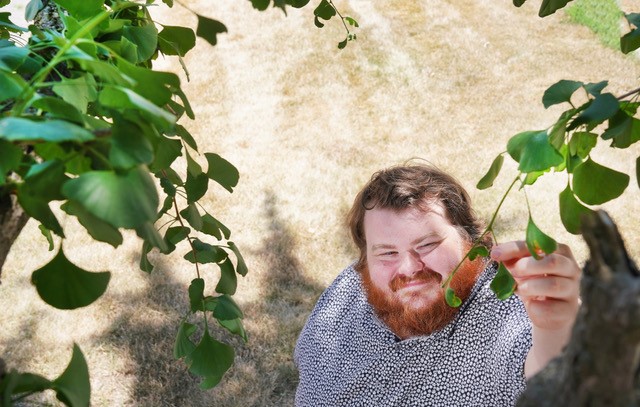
(19,129)
(196,186)
(73,387)
(12,85)
(638,171)
(560,92)
(209,29)
(183,345)
(12,57)
(452,299)
(228,280)
(192,166)
(623,129)
(595,184)
(148,232)
(210,359)
(38,209)
(81,9)
(10,157)
(168,189)
(153,85)
(223,307)
(176,234)
(222,171)
(214,227)
(196,294)
(476,251)
(191,214)
(324,10)
(518,3)
(175,40)
(260,5)
(186,136)
(78,92)
(559,129)
(44,180)
(205,253)
(571,212)
(549,7)
(97,228)
(129,146)
(351,21)
(503,285)
(533,151)
(595,89)
(145,264)
(47,234)
(144,37)
(120,98)
(128,199)
(58,109)
(166,152)
(25,383)
(603,107)
(235,327)
(241,267)
(631,40)
(538,242)
(582,143)
(487,180)
(64,285)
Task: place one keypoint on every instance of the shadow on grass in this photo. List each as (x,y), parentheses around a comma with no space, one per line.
(263,373)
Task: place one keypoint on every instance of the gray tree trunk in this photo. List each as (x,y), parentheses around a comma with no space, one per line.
(12,220)
(599,366)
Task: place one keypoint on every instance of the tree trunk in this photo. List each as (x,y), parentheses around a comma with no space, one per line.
(12,220)
(599,366)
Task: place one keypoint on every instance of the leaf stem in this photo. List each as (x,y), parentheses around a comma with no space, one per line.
(488,229)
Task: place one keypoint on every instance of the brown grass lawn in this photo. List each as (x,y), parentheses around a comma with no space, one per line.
(448,81)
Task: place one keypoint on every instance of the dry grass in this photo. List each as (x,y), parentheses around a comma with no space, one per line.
(446,80)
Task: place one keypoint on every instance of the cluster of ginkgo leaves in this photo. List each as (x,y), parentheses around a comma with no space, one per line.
(565,147)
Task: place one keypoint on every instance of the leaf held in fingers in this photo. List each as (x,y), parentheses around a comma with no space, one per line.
(538,242)
(503,284)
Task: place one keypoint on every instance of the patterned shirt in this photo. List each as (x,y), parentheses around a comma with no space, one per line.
(347,357)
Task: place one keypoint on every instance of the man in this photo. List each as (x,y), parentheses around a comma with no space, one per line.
(382,333)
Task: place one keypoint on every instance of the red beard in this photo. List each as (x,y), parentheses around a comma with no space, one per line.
(407,322)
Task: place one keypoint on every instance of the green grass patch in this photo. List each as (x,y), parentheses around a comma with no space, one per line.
(601,16)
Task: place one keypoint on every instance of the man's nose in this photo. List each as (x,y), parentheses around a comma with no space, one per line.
(411,264)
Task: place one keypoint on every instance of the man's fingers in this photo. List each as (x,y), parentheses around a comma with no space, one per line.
(561,288)
(508,251)
(551,265)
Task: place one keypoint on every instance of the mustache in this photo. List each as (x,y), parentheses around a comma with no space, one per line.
(425,275)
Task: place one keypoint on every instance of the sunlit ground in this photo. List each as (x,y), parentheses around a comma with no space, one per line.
(306,125)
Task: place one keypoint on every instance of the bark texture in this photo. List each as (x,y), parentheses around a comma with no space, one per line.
(599,366)
(12,220)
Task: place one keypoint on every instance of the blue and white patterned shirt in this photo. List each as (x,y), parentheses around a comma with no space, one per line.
(347,357)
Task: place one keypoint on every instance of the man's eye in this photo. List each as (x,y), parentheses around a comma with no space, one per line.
(426,246)
(387,254)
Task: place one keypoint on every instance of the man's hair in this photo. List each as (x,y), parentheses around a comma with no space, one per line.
(414,186)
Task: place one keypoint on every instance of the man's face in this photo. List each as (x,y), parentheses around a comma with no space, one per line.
(409,254)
